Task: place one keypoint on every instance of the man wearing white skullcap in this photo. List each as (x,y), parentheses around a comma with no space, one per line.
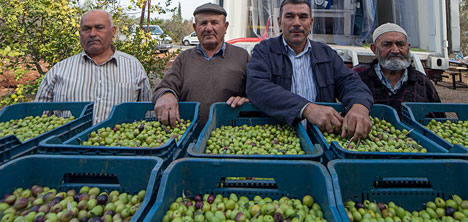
(391,77)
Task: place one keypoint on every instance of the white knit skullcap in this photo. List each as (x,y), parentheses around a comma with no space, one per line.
(387,27)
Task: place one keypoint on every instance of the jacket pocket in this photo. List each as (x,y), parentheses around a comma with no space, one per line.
(325,86)
(282,80)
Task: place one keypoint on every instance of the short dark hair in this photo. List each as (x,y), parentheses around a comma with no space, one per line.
(284,2)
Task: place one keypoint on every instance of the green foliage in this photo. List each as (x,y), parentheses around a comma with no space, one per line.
(143,47)
(177,28)
(45,31)
(9,58)
(36,34)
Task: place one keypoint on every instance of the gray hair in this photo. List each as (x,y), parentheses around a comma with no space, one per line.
(109,16)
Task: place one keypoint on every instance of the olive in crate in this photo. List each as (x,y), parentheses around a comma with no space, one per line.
(137,134)
(453,132)
(383,137)
(251,140)
(32,126)
(209,207)
(87,204)
(454,209)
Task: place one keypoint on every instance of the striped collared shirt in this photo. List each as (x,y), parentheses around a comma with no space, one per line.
(303,79)
(219,52)
(388,84)
(120,79)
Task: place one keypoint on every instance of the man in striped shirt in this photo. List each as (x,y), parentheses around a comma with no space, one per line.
(289,73)
(99,73)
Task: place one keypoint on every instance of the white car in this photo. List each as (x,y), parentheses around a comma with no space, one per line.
(164,41)
(190,39)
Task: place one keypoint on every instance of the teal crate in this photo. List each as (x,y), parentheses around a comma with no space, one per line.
(408,183)
(126,113)
(294,179)
(125,174)
(414,115)
(335,151)
(11,147)
(223,115)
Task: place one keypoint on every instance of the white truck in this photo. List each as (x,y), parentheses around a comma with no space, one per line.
(347,25)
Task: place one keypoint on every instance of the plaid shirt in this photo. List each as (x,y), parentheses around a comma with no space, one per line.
(418,88)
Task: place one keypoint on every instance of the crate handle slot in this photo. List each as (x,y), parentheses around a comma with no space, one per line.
(248,182)
(90,178)
(402,182)
(250,114)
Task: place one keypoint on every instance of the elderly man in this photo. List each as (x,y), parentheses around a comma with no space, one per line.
(390,77)
(214,71)
(99,73)
(289,73)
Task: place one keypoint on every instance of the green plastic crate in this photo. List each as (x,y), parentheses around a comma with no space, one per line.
(408,183)
(125,174)
(223,115)
(414,115)
(126,113)
(335,151)
(294,179)
(11,147)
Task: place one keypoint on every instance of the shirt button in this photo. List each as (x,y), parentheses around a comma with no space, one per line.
(389,94)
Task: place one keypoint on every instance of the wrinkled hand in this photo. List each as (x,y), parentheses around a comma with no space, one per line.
(324,117)
(237,101)
(356,123)
(167,109)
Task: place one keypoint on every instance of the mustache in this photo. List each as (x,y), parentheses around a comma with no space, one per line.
(395,55)
(208,34)
(93,40)
(296,30)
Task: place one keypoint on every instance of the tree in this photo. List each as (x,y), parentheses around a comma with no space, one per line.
(36,34)
(463,14)
(179,12)
(45,31)
(176,27)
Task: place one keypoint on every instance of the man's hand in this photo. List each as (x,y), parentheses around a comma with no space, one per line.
(167,109)
(237,101)
(326,118)
(356,122)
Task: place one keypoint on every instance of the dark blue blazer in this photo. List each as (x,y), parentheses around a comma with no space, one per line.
(269,78)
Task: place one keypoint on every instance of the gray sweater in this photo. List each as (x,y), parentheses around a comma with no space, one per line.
(194,78)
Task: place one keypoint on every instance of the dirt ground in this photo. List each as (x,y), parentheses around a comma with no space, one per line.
(448,95)
(8,82)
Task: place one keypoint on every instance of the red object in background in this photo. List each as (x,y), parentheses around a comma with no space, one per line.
(252,39)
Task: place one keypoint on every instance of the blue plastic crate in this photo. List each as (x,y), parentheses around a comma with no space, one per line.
(126,113)
(294,179)
(223,115)
(414,115)
(125,174)
(11,147)
(408,183)
(335,151)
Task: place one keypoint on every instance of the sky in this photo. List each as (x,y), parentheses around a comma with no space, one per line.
(187,6)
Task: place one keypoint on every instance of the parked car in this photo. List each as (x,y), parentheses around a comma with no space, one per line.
(164,41)
(190,39)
